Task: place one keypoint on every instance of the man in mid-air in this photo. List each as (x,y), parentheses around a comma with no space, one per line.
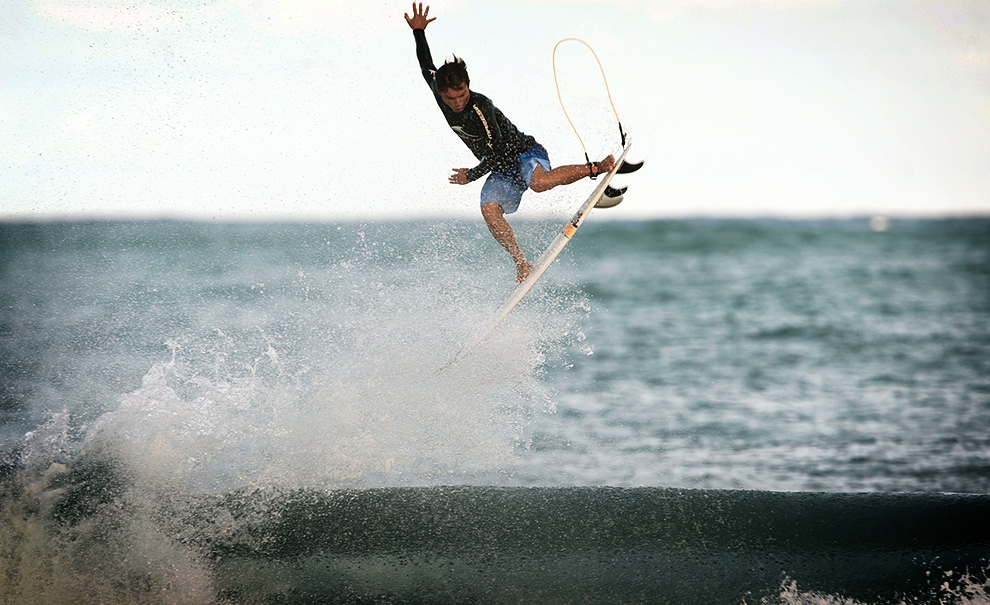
(515,160)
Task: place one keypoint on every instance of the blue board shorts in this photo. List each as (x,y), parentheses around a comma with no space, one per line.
(506,188)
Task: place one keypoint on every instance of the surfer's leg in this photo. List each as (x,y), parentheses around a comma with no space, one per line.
(503,234)
(500,195)
(545,180)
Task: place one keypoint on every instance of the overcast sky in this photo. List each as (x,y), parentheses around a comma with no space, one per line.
(315,110)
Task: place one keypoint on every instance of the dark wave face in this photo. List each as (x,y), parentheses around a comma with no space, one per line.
(498,545)
(600,545)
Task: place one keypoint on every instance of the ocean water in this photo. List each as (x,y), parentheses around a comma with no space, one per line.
(695,411)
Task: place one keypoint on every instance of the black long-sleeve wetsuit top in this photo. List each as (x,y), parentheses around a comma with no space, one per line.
(490,136)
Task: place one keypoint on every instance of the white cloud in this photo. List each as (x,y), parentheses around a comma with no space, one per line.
(354,22)
(667,10)
(109,15)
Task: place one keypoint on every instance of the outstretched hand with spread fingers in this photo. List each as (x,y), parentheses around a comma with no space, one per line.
(419,19)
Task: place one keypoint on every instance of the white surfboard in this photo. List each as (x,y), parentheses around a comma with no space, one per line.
(544,262)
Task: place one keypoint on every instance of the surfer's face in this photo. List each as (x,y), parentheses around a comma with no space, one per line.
(456,98)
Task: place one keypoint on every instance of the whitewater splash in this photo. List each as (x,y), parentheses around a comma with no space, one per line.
(333,388)
(361,406)
(387,424)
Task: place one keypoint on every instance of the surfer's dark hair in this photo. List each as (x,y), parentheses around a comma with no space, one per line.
(452,74)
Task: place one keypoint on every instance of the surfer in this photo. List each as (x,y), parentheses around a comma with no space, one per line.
(513,161)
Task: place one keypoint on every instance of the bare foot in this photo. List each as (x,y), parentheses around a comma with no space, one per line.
(523,270)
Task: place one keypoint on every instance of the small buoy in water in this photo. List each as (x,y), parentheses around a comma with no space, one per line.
(879,223)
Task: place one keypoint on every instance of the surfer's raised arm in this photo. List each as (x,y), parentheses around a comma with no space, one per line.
(420,19)
(418,23)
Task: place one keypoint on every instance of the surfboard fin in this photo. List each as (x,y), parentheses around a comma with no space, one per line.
(611,198)
(627,167)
